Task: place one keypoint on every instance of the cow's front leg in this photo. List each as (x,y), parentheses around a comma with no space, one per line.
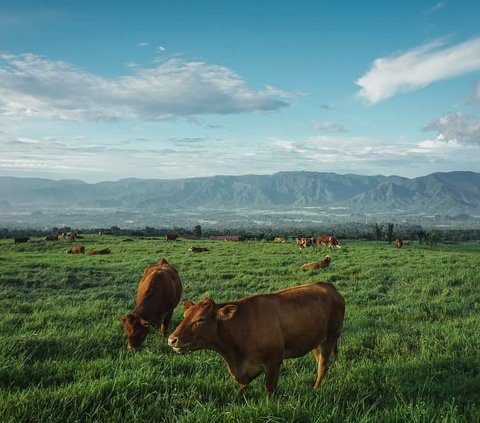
(272,372)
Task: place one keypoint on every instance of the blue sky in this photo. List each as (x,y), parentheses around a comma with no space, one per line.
(114,89)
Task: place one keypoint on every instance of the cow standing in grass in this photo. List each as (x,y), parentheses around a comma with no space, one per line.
(254,334)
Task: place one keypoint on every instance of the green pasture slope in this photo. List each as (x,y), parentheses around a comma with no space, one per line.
(409,351)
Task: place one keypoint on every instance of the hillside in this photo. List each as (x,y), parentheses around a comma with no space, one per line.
(238,200)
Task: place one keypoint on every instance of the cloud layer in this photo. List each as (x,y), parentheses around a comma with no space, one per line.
(418,68)
(456,127)
(32,86)
(93,160)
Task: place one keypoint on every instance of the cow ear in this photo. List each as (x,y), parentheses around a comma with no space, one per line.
(187,304)
(144,323)
(226,312)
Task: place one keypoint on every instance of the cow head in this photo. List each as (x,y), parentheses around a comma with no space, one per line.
(136,329)
(199,326)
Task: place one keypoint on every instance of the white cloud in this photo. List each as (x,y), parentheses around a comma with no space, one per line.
(457,128)
(95,160)
(328,126)
(418,68)
(143,44)
(31,86)
(436,7)
(285,94)
(160,49)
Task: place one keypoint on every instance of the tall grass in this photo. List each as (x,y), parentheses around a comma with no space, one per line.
(409,350)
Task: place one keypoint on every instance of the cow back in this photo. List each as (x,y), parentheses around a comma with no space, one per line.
(158,292)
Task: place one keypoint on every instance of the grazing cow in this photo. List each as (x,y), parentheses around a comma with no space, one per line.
(255,334)
(21,239)
(51,238)
(279,240)
(303,242)
(198,249)
(158,293)
(72,236)
(95,252)
(78,249)
(317,265)
(328,240)
(398,243)
(171,237)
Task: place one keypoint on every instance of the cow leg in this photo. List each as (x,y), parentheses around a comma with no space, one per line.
(322,354)
(166,322)
(272,371)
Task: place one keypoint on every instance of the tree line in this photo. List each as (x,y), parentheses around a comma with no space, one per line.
(379,232)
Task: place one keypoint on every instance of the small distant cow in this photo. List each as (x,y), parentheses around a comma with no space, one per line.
(72,236)
(198,249)
(77,249)
(328,240)
(398,243)
(21,239)
(317,265)
(303,242)
(279,240)
(51,238)
(171,237)
(95,252)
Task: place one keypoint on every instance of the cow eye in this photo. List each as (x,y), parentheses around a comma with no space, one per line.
(200,320)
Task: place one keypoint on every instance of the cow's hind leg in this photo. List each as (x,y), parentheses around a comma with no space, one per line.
(322,354)
(166,322)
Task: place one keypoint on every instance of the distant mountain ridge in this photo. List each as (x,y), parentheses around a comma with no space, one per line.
(449,193)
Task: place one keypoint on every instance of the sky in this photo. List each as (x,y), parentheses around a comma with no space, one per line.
(107,90)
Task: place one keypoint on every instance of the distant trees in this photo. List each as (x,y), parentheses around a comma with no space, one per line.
(377,232)
(389,233)
(197,231)
(432,238)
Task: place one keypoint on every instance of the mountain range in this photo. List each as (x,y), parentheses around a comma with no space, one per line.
(448,194)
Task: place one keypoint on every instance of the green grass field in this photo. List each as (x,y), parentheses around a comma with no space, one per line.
(409,350)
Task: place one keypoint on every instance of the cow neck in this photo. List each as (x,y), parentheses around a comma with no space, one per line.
(229,342)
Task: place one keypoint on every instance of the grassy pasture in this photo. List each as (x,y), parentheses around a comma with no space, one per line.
(409,351)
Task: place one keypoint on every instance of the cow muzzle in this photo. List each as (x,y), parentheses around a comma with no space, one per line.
(173,342)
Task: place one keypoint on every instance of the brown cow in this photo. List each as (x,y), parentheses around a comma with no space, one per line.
(51,238)
(21,239)
(398,243)
(171,237)
(317,265)
(158,293)
(328,240)
(198,249)
(95,252)
(255,334)
(279,240)
(303,242)
(77,249)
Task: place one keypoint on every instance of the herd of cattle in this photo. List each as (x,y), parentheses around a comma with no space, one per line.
(294,321)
